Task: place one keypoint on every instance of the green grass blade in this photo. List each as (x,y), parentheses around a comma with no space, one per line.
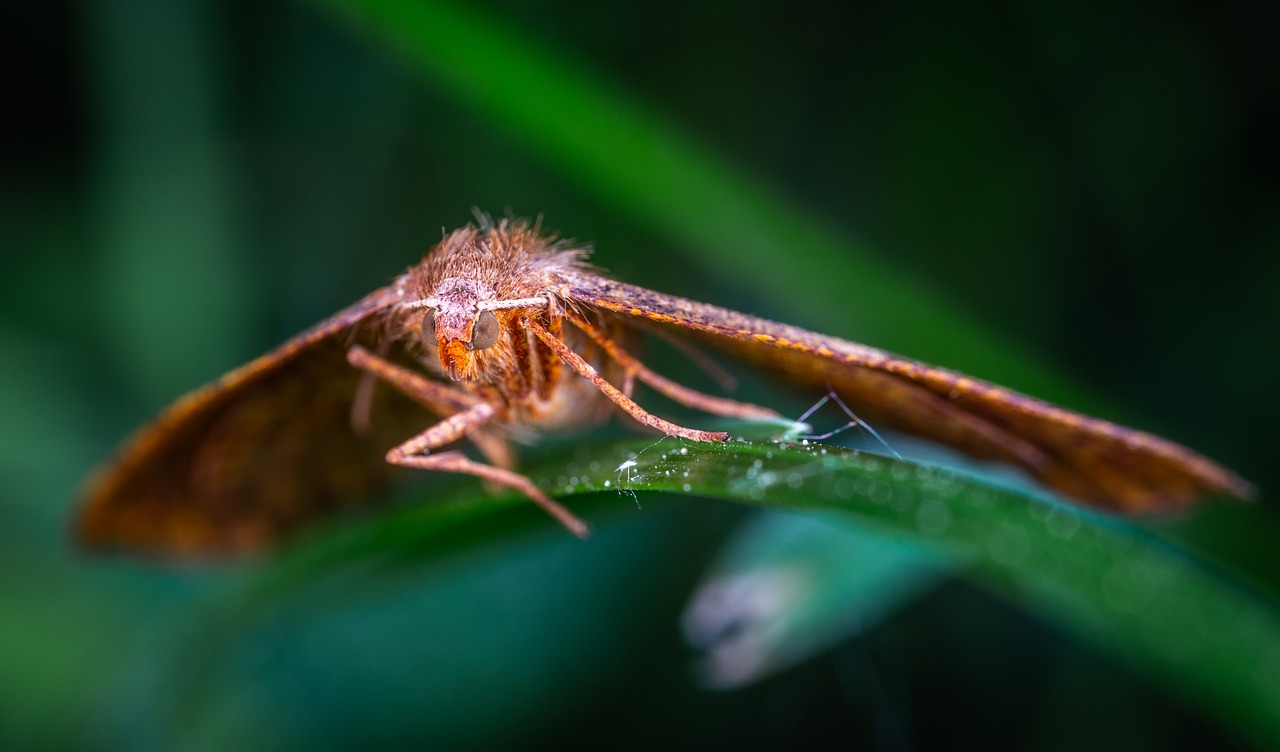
(1210,641)
(1214,644)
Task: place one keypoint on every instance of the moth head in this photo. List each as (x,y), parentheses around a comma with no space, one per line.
(462,318)
(458,335)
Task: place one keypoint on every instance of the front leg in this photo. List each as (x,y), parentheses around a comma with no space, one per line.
(414,453)
(440,399)
(588,372)
(678,392)
(468,421)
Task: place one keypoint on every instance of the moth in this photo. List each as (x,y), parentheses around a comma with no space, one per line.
(502,334)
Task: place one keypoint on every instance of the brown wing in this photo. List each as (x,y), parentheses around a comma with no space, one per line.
(1096,462)
(231,466)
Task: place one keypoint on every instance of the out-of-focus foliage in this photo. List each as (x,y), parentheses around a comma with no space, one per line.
(1074,200)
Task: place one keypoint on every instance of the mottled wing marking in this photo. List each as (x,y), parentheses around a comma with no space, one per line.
(232,466)
(1092,460)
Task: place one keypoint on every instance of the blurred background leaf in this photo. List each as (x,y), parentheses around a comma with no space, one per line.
(1076,200)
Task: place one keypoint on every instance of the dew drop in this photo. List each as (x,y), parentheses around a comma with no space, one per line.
(1062,523)
(933,517)
(881,493)
(1008,544)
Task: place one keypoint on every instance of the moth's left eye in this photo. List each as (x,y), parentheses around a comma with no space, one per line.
(485,331)
(429,324)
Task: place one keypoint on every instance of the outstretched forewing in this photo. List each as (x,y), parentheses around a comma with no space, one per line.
(1088,459)
(234,465)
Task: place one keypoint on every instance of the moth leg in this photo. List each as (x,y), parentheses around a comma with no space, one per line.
(432,395)
(700,359)
(520,343)
(436,397)
(548,365)
(412,453)
(677,392)
(588,372)
(362,401)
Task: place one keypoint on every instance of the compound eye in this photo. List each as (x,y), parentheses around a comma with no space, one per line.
(429,325)
(485,331)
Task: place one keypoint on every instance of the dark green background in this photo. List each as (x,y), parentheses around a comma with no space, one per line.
(1075,199)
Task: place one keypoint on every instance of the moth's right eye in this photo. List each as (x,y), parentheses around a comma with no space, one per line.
(429,324)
